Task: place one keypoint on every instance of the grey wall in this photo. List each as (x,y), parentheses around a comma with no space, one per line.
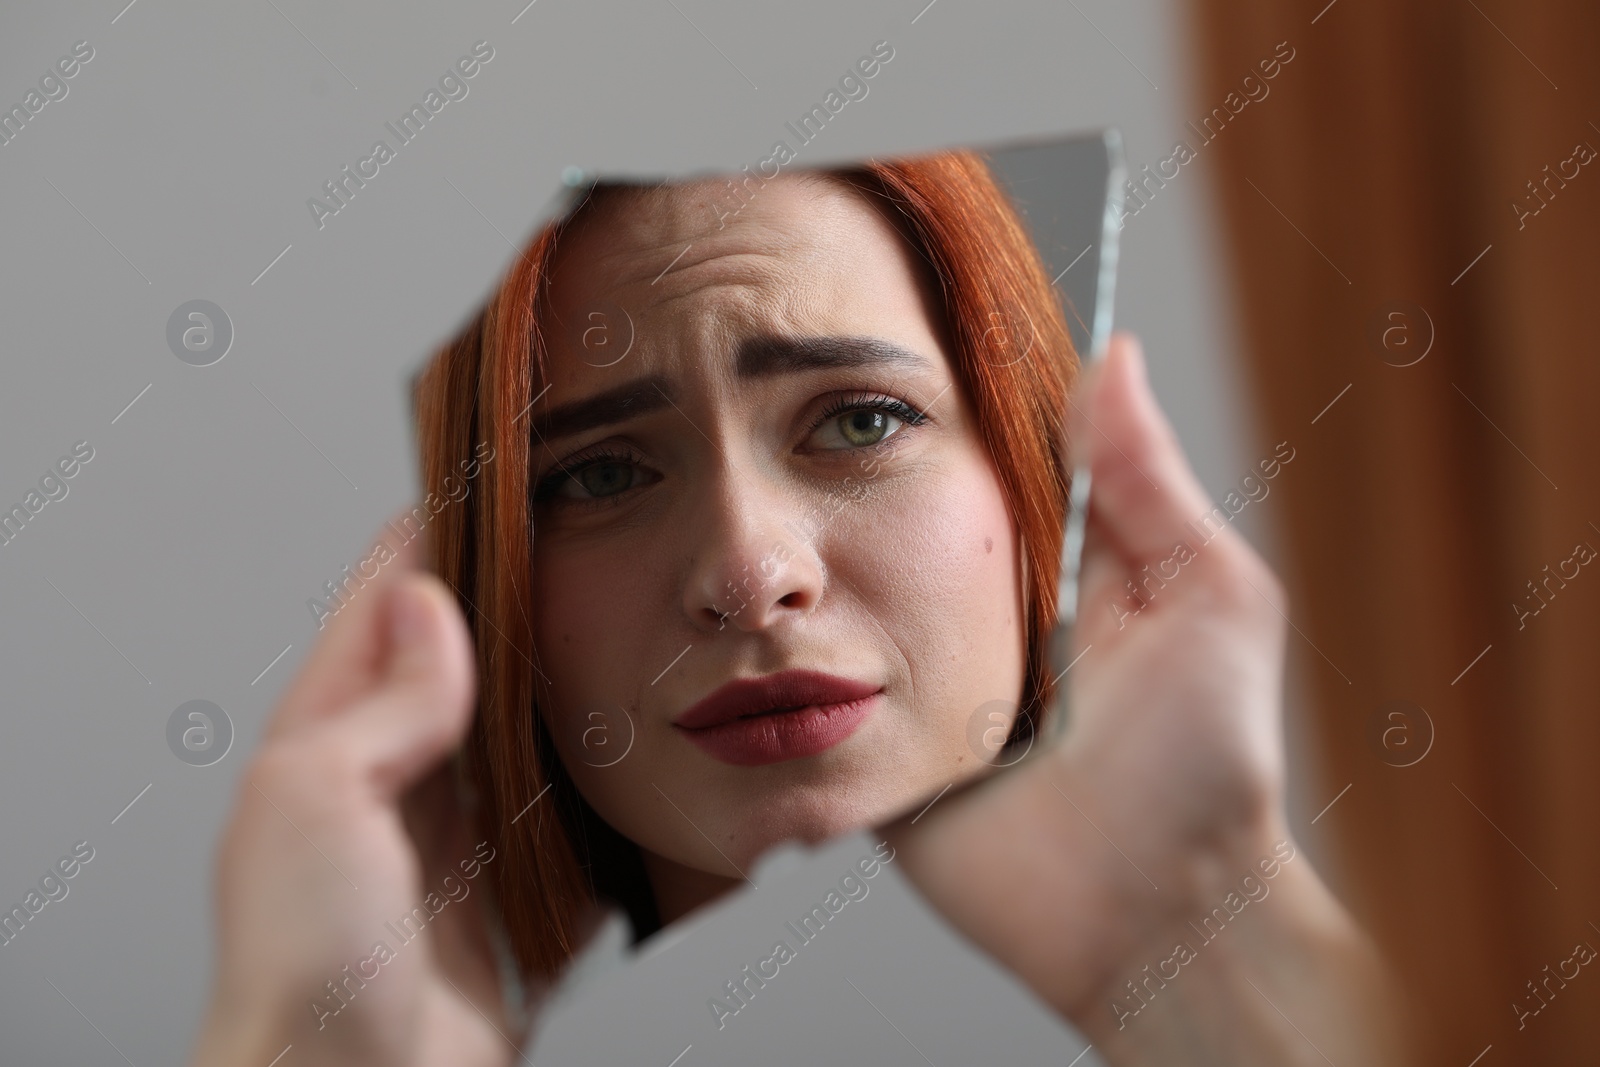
(178,167)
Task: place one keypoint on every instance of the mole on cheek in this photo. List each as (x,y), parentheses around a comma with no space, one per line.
(988,545)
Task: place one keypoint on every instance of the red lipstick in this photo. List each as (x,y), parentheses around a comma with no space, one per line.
(789,715)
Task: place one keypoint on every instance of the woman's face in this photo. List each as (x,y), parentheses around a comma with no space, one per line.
(753,458)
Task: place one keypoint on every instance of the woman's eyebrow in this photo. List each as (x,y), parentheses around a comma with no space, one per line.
(770,354)
(763,356)
(628,400)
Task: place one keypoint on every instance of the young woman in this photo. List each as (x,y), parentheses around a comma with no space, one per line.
(798,468)
(759,542)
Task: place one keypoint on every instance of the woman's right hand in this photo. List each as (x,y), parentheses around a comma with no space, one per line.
(345,822)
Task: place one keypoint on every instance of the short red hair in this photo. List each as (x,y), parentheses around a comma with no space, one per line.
(1012,356)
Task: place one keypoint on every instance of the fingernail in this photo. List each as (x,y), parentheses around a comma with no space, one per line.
(1135,357)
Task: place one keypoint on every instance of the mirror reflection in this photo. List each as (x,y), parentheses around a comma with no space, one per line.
(770,538)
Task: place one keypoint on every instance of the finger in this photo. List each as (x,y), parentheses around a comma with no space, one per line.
(347,660)
(1145,495)
(422,704)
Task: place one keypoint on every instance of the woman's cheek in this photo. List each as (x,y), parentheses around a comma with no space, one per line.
(908,554)
(589,618)
(955,596)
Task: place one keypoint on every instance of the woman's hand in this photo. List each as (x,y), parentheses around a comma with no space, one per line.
(323,859)
(1081,870)
(1085,868)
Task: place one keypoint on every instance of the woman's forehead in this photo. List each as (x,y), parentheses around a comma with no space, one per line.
(660,243)
(799,255)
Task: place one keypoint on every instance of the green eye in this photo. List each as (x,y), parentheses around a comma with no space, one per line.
(604,479)
(601,477)
(865,426)
(863,421)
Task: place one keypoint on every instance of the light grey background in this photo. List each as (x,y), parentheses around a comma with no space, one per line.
(178,168)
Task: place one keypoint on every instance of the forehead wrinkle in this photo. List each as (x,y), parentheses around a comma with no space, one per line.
(741,278)
(668,265)
(765,273)
(645,232)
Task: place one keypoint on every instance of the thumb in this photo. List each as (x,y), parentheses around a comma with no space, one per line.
(1144,491)
(422,704)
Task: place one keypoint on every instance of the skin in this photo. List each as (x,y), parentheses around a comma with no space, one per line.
(1165,790)
(730,528)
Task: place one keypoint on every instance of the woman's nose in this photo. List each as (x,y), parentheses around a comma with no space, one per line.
(750,569)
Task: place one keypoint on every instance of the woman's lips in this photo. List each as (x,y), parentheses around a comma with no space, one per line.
(775,736)
(795,713)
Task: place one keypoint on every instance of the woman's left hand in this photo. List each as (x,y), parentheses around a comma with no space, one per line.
(1084,869)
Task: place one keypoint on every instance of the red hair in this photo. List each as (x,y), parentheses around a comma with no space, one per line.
(1011,354)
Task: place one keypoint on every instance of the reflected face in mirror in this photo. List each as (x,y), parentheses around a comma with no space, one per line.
(780,482)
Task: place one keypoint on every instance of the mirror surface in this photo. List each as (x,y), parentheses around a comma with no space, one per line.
(725,476)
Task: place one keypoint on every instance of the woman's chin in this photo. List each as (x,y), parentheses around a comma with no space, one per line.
(810,820)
